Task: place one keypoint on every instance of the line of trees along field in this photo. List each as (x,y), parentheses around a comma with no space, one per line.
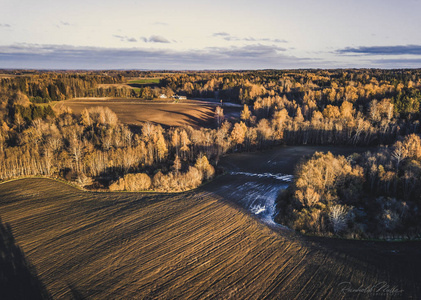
(313,107)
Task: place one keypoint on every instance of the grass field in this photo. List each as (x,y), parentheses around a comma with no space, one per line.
(167,113)
(7,75)
(144,81)
(194,245)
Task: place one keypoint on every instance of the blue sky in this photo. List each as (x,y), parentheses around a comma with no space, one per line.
(230,34)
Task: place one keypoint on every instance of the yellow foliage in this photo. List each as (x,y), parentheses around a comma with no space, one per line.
(331,112)
(132,182)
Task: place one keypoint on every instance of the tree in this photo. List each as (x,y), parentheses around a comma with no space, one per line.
(245,113)
(412,144)
(338,217)
(317,117)
(308,198)
(400,152)
(161,146)
(85,118)
(203,165)
(219,115)
(19,121)
(238,133)
(177,164)
(132,182)
(331,112)
(21,99)
(185,142)
(264,131)
(76,151)
(347,111)
(298,116)
(175,141)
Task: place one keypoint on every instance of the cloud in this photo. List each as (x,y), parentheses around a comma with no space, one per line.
(228,37)
(221,34)
(5,25)
(124,38)
(64,24)
(155,39)
(383,50)
(398,63)
(70,57)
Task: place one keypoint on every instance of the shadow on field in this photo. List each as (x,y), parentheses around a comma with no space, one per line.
(206,119)
(77,295)
(398,264)
(18,279)
(142,85)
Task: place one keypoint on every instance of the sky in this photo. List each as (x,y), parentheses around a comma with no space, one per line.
(209,34)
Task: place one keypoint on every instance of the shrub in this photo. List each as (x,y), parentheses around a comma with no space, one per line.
(132,182)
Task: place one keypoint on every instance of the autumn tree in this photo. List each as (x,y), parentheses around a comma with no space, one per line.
(347,111)
(331,112)
(202,164)
(245,114)
(219,115)
(132,182)
(238,133)
(177,164)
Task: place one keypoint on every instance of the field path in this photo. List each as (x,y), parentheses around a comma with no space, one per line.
(195,245)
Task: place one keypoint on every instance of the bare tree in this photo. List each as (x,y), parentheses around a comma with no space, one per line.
(399,153)
(338,217)
(219,115)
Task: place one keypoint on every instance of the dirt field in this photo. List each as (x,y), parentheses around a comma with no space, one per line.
(194,245)
(167,113)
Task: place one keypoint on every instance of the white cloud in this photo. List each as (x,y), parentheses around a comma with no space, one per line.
(70,57)
(228,37)
(124,38)
(155,39)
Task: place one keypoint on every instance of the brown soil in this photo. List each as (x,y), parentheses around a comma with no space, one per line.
(193,245)
(167,113)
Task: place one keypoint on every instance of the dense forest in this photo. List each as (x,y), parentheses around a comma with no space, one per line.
(373,195)
(360,196)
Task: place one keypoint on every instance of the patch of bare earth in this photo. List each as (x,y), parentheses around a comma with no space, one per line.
(193,245)
(136,111)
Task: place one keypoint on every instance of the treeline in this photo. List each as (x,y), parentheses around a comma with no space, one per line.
(55,86)
(322,87)
(308,88)
(325,106)
(321,107)
(372,195)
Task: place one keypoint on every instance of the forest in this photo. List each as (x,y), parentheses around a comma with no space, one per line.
(359,196)
(371,195)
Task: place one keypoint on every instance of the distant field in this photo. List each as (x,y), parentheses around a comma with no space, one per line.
(167,113)
(186,246)
(145,81)
(134,84)
(7,75)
